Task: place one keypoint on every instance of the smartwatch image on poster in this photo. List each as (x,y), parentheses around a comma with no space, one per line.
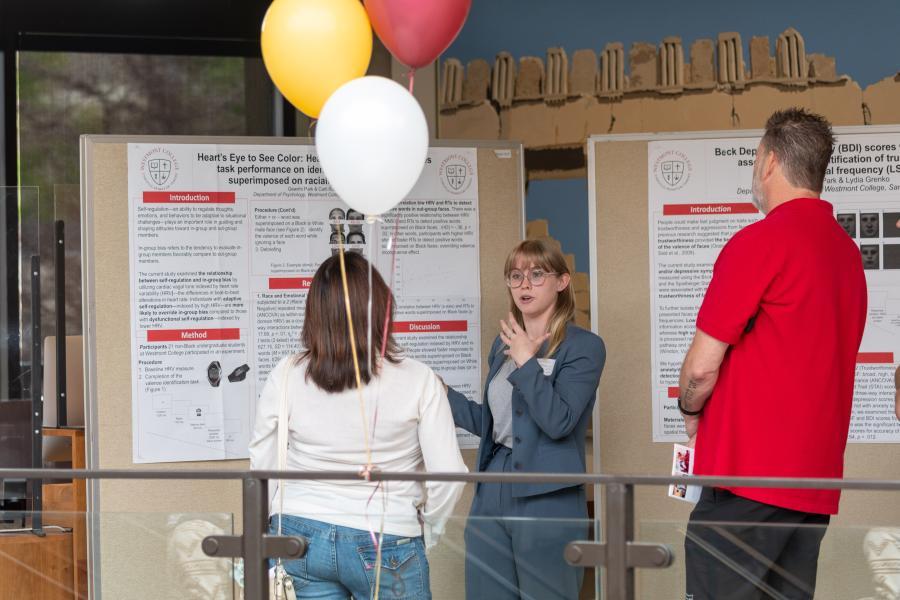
(214,373)
(239,374)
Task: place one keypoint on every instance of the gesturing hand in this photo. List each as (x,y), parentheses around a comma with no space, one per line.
(520,347)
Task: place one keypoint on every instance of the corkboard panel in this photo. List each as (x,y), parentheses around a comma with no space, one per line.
(620,281)
(129,526)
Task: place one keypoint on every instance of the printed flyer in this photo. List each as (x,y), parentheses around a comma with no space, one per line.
(224,241)
(699,196)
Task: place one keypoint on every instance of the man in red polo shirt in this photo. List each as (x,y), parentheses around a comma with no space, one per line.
(767,384)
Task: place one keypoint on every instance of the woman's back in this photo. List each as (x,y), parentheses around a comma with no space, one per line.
(409,427)
(399,421)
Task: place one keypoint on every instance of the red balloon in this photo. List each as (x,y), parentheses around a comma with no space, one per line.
(417,31)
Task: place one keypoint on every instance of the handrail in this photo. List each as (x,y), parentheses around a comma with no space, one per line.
(618,553)
(375,475)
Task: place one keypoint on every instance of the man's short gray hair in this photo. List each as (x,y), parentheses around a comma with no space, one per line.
(803,143)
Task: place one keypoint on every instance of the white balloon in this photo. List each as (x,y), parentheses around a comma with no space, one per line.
(372,141)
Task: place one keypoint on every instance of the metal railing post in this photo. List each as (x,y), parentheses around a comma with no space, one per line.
(619,532)
(619,555)
(256,518)
(36,486)
(255,546)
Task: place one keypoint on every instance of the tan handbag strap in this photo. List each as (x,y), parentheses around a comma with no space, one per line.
(283,418)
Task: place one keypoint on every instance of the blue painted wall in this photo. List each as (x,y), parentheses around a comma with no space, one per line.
(861,35)
(564,203)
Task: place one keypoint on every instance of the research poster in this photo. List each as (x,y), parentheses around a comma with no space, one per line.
(700,195)
(224,241)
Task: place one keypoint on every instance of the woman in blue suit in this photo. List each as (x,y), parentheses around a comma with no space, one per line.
(543,373)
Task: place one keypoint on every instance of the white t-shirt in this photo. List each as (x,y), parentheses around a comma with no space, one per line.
(410,427)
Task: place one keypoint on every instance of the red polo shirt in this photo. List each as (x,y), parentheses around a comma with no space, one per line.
(788,294)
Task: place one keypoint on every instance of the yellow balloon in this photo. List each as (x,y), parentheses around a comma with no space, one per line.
(313,47)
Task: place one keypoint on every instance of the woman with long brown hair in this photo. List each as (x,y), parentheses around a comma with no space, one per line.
(543,373)
(399,421)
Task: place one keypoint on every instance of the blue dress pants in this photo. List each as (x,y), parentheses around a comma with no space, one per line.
(514,546)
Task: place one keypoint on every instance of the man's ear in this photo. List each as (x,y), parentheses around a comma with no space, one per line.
(770,165)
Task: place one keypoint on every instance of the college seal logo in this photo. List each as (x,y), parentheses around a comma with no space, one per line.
(672,170)
(159,168)
(455,173)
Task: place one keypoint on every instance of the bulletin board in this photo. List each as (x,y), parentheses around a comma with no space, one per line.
(620,241)
(129,518)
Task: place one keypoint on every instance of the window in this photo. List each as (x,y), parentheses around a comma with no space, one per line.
(556,88)
(612,69)
(451,83)
(731,59)
(790,56)
(671,63)
(62,95)
(503,82)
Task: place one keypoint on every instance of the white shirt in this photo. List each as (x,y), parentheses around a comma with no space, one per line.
(500,392)
(413,430)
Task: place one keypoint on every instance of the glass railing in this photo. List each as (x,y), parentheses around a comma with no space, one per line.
(850,558)
(505,546)
(160,555)
(17,302)
(854,562)
(138,555)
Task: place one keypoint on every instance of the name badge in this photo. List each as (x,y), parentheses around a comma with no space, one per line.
(547,365)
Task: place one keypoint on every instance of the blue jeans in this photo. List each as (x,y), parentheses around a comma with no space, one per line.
(340,562)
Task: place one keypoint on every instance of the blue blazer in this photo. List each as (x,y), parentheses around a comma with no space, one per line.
(550,415)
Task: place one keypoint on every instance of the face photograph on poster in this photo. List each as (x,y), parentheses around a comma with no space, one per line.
(870,256)
(848,222)
(869,225)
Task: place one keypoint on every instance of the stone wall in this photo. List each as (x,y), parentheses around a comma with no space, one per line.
(558,103)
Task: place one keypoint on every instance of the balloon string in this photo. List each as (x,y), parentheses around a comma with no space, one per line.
(312,125)
(392,244)
(387,312)
(382,486)
(376,540)
(412,80)
(379,537)
(380,540)
(362,404)
(369,310)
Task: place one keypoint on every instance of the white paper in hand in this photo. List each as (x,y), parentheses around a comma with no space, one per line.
(683,464)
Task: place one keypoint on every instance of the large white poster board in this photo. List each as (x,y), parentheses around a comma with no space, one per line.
(223,243)
(699,196)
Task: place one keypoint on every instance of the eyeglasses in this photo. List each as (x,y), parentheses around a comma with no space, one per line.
(536,277)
